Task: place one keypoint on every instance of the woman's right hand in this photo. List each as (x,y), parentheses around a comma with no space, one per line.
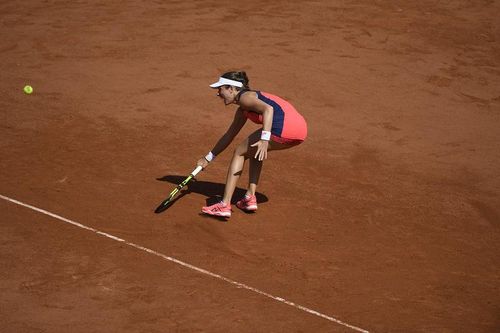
(202,162)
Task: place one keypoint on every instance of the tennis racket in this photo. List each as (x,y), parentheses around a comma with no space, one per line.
(171,197)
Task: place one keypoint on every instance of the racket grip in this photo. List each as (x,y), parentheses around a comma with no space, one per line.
(196,171)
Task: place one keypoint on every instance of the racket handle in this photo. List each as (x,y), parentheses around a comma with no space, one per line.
(196,171)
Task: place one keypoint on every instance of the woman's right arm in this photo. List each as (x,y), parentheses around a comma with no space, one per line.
(238,121)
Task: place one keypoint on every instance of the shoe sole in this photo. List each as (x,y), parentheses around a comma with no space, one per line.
(227,214)
(252,208)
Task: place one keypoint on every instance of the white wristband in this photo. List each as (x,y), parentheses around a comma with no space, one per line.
(210,156)
(266,135)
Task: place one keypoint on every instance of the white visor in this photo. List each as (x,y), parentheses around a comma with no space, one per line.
(226,82)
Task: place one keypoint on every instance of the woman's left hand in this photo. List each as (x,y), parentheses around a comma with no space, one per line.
(261,153)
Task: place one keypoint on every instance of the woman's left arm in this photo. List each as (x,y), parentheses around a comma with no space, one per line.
(251,102)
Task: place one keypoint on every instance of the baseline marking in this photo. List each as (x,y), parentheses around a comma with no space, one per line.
(184,264)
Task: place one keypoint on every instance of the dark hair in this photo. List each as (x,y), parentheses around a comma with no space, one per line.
(238,76)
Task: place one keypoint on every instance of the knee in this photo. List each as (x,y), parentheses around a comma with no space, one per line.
(239,151)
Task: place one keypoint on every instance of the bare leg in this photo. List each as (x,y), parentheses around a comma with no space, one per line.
(236,168)
(233,174)
(243,152)
(253,175)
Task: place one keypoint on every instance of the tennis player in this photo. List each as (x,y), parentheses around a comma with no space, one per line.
(282,128)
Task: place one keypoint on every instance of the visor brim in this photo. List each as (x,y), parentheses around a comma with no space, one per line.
(226,82)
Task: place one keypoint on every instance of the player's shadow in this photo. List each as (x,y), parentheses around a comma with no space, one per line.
(213,191)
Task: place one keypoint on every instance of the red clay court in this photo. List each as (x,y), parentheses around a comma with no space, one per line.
(386,219)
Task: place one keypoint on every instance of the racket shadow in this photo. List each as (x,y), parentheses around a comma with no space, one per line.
(212,191)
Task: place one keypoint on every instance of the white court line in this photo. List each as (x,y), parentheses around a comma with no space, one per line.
(182,263)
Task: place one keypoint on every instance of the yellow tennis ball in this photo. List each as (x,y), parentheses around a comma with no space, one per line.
(28,89)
